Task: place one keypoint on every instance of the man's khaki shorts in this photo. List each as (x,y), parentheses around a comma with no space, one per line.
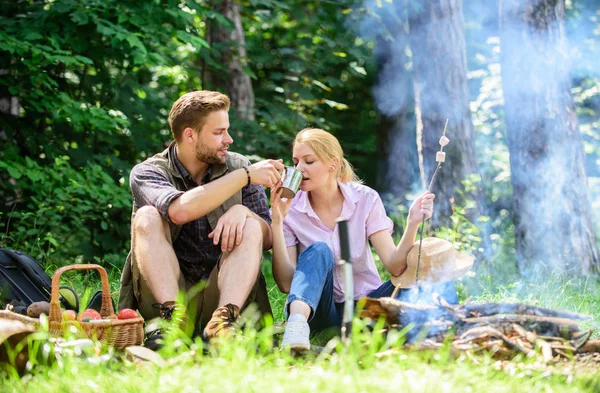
(202,299)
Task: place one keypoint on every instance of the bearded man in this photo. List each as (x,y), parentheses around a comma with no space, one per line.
(200,214)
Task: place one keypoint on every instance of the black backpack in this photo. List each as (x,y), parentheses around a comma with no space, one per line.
(22,279)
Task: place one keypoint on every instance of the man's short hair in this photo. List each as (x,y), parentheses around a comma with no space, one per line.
(191,110)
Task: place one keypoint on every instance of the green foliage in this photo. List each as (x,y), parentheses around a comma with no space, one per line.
(309,69)
(94,80)
(69,212)
(96,72)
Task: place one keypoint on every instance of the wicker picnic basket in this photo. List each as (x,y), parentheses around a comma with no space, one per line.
(118,333)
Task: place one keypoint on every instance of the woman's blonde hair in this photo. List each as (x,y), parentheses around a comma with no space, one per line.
(328,148)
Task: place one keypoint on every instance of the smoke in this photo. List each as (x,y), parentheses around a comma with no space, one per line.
(572,61)
(583,32)
(552,220)
(387,26)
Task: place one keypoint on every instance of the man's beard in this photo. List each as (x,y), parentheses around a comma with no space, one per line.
(204,154)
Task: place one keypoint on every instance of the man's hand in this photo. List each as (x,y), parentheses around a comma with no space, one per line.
(230,227)
(266,173)
(423,205)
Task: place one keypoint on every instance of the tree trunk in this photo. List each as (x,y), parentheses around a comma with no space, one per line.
(550,196)
(399,168)
(230,43)
(397,140)
(440,82)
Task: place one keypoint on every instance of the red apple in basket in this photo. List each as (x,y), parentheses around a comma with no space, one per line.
(89,315)
(127,313)
(69,315)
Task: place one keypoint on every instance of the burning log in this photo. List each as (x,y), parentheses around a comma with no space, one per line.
(486,309)
(484,333)
(590,346)
(547,326)
(504,330)
(395,310)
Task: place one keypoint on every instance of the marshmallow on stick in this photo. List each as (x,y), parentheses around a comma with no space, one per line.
(440,156)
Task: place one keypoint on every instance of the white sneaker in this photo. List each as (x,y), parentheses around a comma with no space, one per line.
(296,335)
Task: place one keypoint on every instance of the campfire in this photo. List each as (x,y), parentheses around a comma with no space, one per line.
(503,330)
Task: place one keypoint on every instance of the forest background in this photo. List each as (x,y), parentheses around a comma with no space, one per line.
(86,87)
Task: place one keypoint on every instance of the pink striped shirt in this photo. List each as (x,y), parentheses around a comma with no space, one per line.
(366,215)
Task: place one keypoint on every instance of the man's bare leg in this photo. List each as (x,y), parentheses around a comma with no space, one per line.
(239,269)
(154,254)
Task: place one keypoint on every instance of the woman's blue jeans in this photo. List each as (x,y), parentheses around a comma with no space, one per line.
(313,285)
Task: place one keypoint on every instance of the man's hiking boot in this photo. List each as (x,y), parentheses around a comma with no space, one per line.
(168,311)
(165,310)
(154,340)
(223,322)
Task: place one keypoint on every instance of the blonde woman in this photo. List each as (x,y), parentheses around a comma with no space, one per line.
(305,238)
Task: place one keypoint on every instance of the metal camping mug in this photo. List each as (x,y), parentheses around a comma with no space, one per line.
(290,181)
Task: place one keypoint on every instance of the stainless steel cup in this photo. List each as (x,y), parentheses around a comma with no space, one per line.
(291,179)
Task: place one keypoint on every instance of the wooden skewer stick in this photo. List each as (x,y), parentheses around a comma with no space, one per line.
(437,168)
(439,165)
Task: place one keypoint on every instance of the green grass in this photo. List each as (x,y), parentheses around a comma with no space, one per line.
(241,371)
(252,364)
(239,367)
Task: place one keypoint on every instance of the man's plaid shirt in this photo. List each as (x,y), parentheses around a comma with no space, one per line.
(195,251)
